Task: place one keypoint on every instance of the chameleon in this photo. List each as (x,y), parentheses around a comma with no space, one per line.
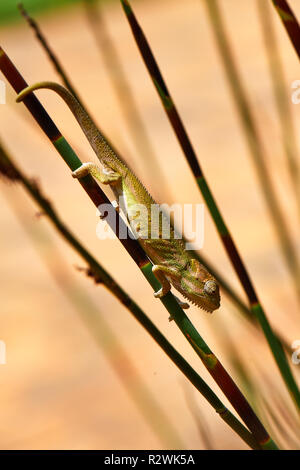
(173,265)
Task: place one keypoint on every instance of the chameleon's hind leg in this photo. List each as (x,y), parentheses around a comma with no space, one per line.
(182,304)
(104,174)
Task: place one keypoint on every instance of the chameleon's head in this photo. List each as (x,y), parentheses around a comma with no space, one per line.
(198,286)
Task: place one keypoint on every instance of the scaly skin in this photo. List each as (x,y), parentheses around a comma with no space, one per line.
(172,263)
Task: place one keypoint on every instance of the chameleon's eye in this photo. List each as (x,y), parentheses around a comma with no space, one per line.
(210,287)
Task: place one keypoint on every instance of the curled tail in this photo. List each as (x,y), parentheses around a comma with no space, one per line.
(97,141)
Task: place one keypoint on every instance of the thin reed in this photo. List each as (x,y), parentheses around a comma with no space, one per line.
(11,172)
(97,196)
(223,231)
(256,404)
(122,87)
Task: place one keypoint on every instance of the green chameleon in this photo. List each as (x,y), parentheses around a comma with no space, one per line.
(173,264)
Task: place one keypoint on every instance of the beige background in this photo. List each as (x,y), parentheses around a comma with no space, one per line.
(57,389)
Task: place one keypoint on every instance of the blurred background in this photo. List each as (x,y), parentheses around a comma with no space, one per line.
(58,390)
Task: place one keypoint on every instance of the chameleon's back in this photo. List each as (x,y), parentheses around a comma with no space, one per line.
(173,264)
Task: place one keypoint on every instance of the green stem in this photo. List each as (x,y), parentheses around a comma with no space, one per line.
(222,229)
(253,141)
(122,90)
(97,196)
(289,22)
(12,172)
(95,320)
(280,96)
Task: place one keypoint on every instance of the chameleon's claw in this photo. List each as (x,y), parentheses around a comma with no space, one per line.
(160,293)
(182,304)
(159,273)
(116,205)
(104,175)
(83,170)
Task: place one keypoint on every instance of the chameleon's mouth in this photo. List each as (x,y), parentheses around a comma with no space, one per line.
(208,302)
(202,301)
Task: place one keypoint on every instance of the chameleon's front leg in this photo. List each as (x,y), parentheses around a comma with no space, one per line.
(104,174)
(160,272)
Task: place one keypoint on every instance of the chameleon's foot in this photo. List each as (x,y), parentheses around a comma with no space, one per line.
(160,293)
(171,318)
(105,175)
(84,170)
(182,304)
(116,205)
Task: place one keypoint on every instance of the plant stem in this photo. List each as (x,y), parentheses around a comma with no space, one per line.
(222,229)
(9,169)
(253,141)
(94,320)
(281,97)
(290,23)
(122,91)
(210,361)
(49,51)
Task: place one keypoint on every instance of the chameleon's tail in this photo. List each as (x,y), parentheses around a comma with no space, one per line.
(96,139)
